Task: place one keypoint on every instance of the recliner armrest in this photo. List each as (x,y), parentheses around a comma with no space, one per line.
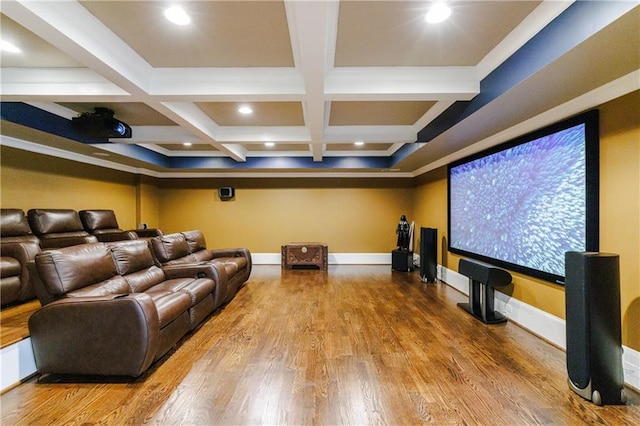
(201,270)
(24,252)
(234,252)
(115,335)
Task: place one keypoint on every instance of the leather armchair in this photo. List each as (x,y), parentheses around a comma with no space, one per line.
(18,247)
(58,228)
(104,226)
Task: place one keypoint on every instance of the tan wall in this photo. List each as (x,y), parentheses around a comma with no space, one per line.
(619,217)
(38,181)
(148,203)
(349,220)
(620,203)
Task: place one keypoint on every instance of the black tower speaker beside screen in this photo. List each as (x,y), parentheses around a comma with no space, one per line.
(593,326)
(428,254)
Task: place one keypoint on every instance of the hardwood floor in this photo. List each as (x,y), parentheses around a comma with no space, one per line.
(13,322)
(356,345)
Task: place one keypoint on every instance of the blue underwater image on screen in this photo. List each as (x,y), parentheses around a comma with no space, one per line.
(525,205)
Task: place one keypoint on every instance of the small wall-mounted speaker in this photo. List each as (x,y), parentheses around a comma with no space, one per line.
(226,193)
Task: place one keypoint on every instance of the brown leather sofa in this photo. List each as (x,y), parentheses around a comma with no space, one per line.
(108,309)
(104,225)
(58,228)
(176,250)
(18,247)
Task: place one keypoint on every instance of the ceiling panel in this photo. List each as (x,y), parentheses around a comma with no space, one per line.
(36,52)
(394,33)
(222,34)
(360,113)
(264,113)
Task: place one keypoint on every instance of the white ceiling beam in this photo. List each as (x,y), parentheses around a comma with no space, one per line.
(201,125)
(402,83)
(161,134)
(263,134)
(311,27)
(203,83)
(59,84)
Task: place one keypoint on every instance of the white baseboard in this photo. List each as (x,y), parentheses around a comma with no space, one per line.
(17,363)
(541,323)
(333,258)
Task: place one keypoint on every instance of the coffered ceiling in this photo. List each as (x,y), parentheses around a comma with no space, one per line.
(319,76)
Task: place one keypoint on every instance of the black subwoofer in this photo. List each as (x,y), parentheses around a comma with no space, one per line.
(428,254)
(593,326)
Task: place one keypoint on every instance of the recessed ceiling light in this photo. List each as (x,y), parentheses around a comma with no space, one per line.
(7,46)
(186,143)
(269,144)
(177,15)
(359,143)
(437,13)
(245,110)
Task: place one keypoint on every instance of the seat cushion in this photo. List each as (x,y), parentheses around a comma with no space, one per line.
(197,289)
(170,305)
(115,285)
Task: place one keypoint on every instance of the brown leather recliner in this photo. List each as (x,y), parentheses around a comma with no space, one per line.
(104,225)
(58,228)
(18,247)
(234,264)
(110,310)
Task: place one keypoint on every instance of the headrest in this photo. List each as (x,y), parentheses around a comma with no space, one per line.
(13,223)
(195,240)
(98,219)
(170,247)
(74,267)
(54,221)
(131,255)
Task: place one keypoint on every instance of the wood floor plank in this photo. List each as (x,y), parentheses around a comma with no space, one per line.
(13,322)
(356,345)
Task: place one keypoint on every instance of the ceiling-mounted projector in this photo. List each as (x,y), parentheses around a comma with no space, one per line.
(101,124)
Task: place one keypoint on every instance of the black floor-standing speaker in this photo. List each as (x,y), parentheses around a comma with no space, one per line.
(593,326)
(428,254)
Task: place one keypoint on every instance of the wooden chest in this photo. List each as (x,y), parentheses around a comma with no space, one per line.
(304,255)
